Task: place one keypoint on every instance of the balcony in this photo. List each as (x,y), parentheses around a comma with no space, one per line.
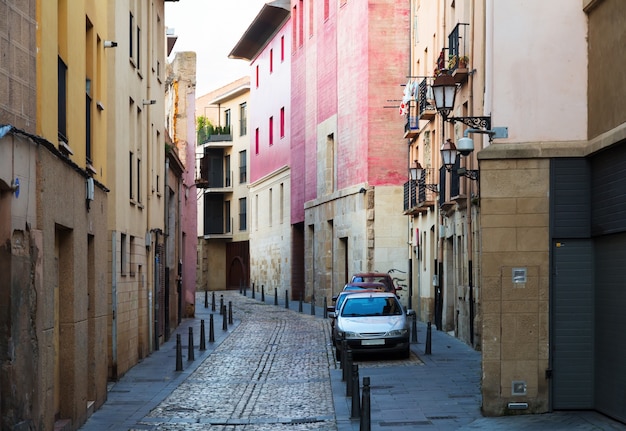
(458,58)
(420,195)
(425,101)
(411,127)
(215,136)
(214,180)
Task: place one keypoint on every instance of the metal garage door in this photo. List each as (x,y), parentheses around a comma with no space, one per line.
(572,324)
(610,325)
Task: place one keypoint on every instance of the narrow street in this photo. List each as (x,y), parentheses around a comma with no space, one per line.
(271,373)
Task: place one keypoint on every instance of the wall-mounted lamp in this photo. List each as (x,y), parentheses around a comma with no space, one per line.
(417,173)
(449,153)
(444,91)
(110,44)
(149,102)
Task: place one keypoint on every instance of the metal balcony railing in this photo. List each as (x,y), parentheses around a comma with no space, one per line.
(458,47)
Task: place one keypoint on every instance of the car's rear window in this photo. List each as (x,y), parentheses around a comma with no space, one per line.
(383,280)
(372,306)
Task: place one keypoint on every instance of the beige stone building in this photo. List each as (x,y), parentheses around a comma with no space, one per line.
(222,182)
(53,213)
(547,230)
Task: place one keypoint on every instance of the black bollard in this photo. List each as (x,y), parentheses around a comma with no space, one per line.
(312,305)
(275,296)
(213,301)
(202,336)
(179,354)
(350,380)
(366,419)
(225,319)
(300,304)
(252,290)
(346,356)
(356,393)
(206,299)
(190,354)
(287,299)
(262,293)
(221,304)
(230,312)
(344,347)
(414,329)
(428,339)
(325,308)
(211,330)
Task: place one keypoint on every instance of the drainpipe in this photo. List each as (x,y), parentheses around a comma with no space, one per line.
(166,236)
(114,302)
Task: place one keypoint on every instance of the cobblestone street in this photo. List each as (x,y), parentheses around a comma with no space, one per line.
(271,373)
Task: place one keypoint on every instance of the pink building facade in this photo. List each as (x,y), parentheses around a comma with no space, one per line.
(348,164)
(266,44)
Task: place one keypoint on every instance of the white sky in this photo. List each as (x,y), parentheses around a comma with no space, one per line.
(211,28)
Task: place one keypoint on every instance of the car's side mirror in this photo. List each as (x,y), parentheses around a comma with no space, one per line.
(410,312)
(332,315)
(330,309)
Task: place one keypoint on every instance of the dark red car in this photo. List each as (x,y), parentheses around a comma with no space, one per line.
(377,277)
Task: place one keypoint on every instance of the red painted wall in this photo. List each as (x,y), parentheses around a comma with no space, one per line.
(266,100)
(353,65)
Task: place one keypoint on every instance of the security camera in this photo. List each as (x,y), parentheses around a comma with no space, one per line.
(465,146)
(110,44)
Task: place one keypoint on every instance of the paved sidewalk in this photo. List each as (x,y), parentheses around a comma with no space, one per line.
(149,382)
(440,391)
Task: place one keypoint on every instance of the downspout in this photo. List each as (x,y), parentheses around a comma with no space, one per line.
(468,182)
(440,242)
(166,236)
(114,303)
(181,244)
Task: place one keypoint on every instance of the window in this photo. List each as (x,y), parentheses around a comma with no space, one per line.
(227,122)
(270,208)
(88,120)
(130,175)
(131,30)
(257,76)
(243,119)
(242,214)
(131,250)
(282,122)
(281,203)
(123,257)
(294,28)
(256,141)
(243,174)
(138,48)
(271,131)
(138,179)
(282,49)
(310,18)
(326,9)
(271,60)
(301,24)
(62,100)
(229,180)
(227,226)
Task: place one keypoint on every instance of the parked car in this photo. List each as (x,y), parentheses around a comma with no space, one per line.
(377,277)
(372,322)
(365,285)
(338,301)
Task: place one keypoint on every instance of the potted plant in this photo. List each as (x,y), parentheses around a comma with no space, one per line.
(452,61)
(463,61)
